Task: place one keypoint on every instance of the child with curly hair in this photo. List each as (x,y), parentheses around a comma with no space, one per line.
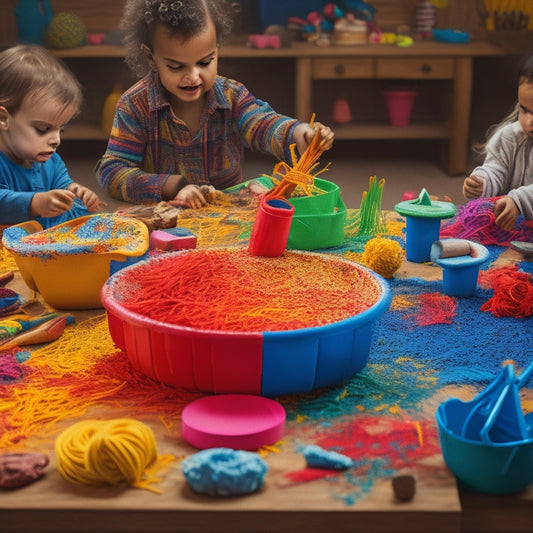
(182,126)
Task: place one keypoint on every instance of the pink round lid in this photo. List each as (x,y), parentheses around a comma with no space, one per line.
(238,421)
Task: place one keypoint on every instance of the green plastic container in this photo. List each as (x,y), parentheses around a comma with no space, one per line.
(318,221)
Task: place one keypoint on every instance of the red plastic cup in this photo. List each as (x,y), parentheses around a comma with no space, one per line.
(271,228)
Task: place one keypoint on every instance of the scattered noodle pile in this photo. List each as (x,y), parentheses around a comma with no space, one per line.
(476,221)
(232,290)
(513,292)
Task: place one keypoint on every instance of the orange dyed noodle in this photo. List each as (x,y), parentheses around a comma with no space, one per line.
(232,290)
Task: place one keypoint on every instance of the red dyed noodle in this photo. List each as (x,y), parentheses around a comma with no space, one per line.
(232,290)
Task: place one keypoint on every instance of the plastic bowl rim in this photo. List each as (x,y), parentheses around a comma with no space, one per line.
(372,313)
(476,443)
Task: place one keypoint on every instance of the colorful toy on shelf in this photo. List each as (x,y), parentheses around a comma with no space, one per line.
(451,36)
(349,30)
(345,25)
(425,19)
(65,30)
(32,18)
(360,9)
(399,105)
(110,104)
(264,41)
(508,15)
(341,112)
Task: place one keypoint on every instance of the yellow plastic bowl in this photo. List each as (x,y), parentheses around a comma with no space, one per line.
(69,263)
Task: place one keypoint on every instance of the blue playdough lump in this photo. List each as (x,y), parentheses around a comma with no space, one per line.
(317,457)
(224,472)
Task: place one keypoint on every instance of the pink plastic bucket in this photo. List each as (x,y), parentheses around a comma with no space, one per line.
(399,106)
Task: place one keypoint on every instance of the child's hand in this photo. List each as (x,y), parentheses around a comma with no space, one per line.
(88,197)
(189,196)
(304,133)
(506,212)
(51,203)
(473,187)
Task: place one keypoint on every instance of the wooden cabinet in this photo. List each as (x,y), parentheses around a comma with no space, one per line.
(337,68)
(415,68)
(450,65)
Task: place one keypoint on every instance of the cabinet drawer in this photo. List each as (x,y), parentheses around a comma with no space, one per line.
(415,68)
(342,67)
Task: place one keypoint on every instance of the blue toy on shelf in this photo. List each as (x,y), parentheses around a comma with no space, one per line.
(32,18)
(451,36)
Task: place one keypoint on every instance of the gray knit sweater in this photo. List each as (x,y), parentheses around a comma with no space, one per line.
(508,168)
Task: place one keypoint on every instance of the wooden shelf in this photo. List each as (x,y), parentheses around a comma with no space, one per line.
(100,50)
(81,131)
(360,130)
(383,130)
(424,61)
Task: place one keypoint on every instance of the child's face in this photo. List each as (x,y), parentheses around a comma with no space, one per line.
(33,133)
(187,69)
(525,102)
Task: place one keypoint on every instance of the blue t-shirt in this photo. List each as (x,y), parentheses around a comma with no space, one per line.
(18,185)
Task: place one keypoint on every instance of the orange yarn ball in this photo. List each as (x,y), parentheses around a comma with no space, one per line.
(384,256)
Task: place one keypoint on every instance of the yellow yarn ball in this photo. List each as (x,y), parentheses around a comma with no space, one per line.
(100,452)
(384,256)
(65,30)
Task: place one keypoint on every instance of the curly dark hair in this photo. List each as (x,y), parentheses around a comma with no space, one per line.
(186,18)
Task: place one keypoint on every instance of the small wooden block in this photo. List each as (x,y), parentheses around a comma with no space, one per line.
(404,487)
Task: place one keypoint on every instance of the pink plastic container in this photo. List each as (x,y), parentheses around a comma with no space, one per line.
(399,106)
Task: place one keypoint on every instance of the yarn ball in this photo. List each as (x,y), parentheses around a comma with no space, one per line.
(65,30)
(101,452)
(384,256)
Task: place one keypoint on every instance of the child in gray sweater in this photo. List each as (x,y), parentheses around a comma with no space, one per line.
(507,170)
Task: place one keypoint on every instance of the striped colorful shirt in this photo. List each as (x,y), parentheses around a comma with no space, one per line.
(148,142)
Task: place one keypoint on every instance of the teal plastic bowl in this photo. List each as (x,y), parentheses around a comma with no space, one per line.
(493,468)
(318,221)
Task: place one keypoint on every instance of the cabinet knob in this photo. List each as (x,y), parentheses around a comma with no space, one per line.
(426,68)
(339,69)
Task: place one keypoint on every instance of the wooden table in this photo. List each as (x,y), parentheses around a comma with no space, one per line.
(53,505)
